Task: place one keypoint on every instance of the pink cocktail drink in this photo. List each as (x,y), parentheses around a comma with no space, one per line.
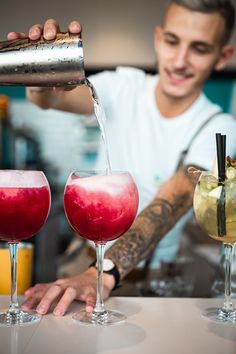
(24,207)
(101,207)
(23,212)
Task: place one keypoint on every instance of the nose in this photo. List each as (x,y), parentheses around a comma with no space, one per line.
(181,58)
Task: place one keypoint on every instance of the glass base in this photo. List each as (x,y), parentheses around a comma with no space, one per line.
(21,318)
(106,318)
(218,314)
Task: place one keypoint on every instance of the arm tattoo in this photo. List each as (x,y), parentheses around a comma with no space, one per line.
(171,202)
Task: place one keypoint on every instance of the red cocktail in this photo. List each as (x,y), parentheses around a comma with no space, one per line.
(24,207)
(27,207)
(100,207)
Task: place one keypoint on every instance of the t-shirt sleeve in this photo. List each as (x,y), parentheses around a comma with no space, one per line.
(203,149)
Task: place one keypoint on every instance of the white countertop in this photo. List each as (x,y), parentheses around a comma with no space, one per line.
(153,325)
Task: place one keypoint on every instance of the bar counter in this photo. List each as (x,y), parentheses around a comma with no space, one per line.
(153,325)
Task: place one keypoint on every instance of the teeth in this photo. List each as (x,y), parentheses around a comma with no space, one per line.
(177,77)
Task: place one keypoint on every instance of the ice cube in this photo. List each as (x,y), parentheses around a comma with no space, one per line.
(216,192)
(208,182)
(231,172)
(230,189)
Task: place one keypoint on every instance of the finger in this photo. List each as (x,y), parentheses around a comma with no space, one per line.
(57,89)
(15,35)
(63,88)
(90,302)
(29,292)
(47,300)
(35,32)
(62,306)
(51,27)
(69,88)
(38,288)
(35,90)
(38,296)
(74,27)
(30,303)
(60,281)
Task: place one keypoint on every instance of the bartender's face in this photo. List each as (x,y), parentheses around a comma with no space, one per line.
(189,46)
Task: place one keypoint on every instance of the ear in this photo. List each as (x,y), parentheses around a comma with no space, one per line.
(225,56)
(157,36)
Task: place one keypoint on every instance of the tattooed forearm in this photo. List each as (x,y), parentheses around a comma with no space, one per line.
(172,201)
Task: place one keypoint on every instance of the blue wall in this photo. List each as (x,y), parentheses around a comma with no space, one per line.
(12,91)
(218,90)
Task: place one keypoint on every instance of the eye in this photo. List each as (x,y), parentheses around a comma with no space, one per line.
(171,40)
(201,49)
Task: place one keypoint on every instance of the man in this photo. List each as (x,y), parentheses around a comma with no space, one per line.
(152,119)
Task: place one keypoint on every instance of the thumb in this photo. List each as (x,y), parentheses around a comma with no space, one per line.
(90,302)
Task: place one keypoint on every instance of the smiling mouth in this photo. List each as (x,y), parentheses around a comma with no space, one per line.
(178,78)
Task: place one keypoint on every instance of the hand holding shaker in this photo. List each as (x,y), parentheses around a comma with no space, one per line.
(42,63)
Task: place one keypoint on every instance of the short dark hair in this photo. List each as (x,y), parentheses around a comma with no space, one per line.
(224,7)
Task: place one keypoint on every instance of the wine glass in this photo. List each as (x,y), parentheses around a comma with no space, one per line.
(100,207)
(24,206)
(215,209)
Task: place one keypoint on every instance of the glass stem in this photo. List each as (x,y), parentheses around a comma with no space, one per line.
(99,307)
(14,308)
(228,306)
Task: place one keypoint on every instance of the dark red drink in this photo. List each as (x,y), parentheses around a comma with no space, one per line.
(23,211)
(101,207)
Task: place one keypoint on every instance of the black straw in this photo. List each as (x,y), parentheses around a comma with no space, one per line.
(221,151)
(221,154)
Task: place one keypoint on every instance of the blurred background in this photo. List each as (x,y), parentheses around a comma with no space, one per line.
(114,33)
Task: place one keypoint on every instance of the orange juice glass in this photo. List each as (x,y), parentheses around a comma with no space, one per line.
(24,268)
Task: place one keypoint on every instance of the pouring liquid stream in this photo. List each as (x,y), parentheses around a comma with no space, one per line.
(101,118)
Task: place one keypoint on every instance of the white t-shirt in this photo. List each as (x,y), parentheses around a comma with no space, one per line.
(149,145)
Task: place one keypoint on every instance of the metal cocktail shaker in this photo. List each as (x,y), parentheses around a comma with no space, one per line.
(42,63)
